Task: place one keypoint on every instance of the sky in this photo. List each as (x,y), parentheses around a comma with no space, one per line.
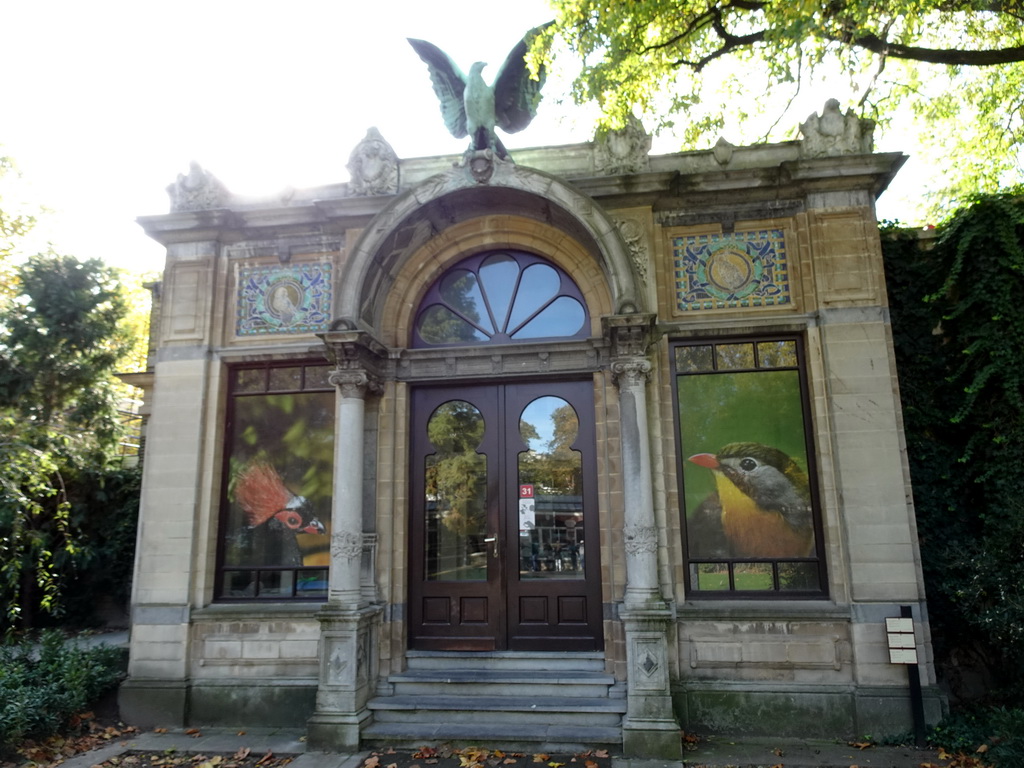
(106,102)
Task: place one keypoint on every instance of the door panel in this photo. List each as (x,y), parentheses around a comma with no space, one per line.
(454,578)
(503,506)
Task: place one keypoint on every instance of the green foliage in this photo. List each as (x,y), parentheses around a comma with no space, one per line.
(958,327)
(60,341)
(45,680)
(998,731)
(955,67)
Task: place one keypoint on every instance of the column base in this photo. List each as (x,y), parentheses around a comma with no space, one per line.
(652,739)
(150,703)
(330,732)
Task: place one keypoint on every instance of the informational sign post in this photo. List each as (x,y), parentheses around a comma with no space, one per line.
(902,644)
(903,650)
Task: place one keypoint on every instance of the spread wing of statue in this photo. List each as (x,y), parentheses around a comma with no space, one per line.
(473,108)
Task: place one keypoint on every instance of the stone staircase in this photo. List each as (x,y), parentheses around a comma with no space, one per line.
(519,701)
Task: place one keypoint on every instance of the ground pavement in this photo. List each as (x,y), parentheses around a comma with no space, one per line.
(717,752)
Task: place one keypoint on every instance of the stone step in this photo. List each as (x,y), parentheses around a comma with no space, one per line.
(507,736)
(476,682)
(517,701)
(507,660)
(498,710)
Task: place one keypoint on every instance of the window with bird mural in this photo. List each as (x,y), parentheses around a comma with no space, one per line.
(752,526)
(278,478)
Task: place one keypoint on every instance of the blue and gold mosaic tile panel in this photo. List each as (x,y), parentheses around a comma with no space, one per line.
(283,299)
(740,270)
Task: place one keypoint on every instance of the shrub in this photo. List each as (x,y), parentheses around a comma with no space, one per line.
(998,733)
(45,680)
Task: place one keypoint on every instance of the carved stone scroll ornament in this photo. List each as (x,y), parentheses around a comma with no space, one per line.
(631,373)
(640,539)
(354,382)
(373,167)
(632,231)
(199,190)
(832,133)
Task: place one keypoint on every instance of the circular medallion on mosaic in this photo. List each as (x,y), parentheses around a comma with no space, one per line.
(729,272)
(285,299)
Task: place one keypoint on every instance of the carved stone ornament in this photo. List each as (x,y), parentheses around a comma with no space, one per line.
(641,539)
(832,133)
(355,382)
(723,151)
(480,164)
(346,545)
(373,167)
(632,231)
(628,373)
(624,150)
(199,190)
(629,336)
(360,361)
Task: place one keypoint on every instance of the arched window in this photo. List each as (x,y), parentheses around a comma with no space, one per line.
(501,297)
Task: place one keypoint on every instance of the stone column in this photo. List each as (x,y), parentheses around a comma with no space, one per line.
(347,511)
(349,621)
(649,729)
(640,534)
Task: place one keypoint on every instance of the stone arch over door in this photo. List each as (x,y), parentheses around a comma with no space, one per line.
(450,214)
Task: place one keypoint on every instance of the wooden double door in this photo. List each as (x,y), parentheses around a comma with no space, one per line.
(503,544)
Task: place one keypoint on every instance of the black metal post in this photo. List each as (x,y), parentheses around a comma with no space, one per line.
(916,698)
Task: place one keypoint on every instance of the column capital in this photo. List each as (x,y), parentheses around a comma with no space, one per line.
(631,373)
(355,382)
(360,362)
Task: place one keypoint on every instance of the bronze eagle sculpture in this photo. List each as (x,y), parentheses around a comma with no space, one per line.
(471,107)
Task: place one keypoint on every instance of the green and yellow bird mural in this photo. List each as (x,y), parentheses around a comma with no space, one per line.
(761,506)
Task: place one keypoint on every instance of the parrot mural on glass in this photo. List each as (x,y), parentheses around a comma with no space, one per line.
(273,516)
(761,506)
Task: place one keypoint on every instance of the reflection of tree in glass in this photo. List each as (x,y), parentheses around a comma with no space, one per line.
(777,354)
(456,473)
(559,470)
(735,356)
(441,324)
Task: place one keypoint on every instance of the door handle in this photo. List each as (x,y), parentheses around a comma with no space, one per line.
(492,540)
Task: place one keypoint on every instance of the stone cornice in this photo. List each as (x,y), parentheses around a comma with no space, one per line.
(690,183)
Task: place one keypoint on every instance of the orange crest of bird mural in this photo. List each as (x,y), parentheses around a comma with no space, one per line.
(263,496)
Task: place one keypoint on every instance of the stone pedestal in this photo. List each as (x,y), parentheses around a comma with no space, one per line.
(348,665)
(649,729)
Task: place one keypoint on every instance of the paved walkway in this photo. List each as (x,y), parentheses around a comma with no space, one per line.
(718,752)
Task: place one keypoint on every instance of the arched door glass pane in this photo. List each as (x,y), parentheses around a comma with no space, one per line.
(455,495)
(501,297)
(550,492)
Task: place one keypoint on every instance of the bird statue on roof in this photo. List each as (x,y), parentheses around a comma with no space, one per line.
(471,107)
(761,506)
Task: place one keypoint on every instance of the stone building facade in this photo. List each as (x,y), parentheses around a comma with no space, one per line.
(586,447)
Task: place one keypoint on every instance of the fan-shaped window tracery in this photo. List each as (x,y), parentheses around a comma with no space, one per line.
(501,297)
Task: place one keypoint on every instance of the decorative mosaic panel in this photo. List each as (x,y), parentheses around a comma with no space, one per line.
(283,299)
(744,269)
